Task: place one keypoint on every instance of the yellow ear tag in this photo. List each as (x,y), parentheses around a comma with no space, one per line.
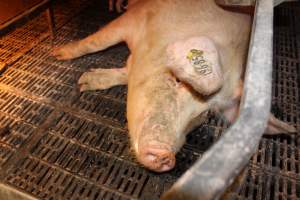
(201,66)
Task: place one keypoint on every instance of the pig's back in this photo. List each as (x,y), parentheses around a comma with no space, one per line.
(171,20)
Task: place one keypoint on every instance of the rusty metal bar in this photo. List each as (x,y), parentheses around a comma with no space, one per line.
(50,18)
(217,169)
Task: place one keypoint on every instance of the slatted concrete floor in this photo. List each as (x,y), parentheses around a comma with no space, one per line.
(62,144)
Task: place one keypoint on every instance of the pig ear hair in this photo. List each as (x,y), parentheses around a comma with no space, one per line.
(275,126)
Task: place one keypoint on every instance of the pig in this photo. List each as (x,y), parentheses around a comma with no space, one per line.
(186,57)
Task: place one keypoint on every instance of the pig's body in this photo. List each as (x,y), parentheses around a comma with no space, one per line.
(161,109)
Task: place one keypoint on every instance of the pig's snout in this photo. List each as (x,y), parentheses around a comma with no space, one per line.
(158,143)
(157,157)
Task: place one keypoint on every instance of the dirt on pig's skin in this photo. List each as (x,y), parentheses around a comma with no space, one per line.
(160,109)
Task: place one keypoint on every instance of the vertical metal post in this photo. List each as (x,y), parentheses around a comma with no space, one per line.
(50,19)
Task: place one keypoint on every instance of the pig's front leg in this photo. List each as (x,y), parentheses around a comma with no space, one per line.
(196,62)
(100,79)
(111,34)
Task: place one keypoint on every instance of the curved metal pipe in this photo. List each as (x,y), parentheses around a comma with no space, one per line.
(217,169)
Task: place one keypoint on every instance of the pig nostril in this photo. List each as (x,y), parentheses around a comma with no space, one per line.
(177,80)
(164,160)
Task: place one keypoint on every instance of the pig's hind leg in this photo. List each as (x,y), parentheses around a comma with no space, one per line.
(274,125)
(196,62)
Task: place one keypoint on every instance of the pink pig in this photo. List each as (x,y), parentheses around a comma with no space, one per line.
(187,57)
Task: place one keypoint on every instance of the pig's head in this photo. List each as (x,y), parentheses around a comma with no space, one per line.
(160,110)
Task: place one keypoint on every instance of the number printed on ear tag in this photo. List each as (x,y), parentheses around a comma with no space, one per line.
(201,66)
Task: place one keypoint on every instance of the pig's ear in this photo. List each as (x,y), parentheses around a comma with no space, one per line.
(275,126)
(196,62)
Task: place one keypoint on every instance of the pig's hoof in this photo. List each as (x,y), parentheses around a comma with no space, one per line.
(196,62)
(157,159)
(100,79)
(64,52)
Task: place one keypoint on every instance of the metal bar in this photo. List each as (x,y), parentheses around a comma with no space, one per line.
(50,19)
(219,166)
